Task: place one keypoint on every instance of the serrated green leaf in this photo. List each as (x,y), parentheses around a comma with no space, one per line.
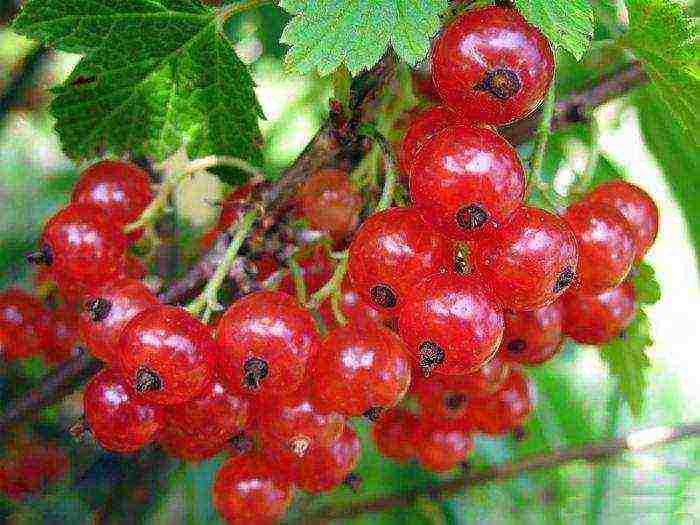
(568,24)
(662,37)
(628,362)
(327,33)
(647,289)
(155,72)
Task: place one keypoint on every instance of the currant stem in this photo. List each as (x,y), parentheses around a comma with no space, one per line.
(544,130)
(298,278)
(331,286)
(207,301)
(228,11)
(390,176)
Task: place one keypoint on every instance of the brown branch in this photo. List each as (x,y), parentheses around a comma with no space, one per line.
(593,452)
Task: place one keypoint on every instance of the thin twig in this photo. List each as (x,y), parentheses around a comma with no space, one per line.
(593,452)
(544,130)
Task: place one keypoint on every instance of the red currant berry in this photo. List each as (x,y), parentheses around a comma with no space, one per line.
(247,490)
(118,419)
(215,415)
(28,466)
(361,372)
(296,421)
(81,245)
(316,269)
(330,203)
(107,311)
(422,80)
(358,313)
(423,127)
(441,447)
(605,245)
(491,66)
(391,252)
(64,335)
(596,319)
(535,337)
(530,261)
(24,325)
(451,324)
(508,408)
(394,434)
(121,190)
(180,444)
(636,206)
(167,355)
(266,342)
(464,179)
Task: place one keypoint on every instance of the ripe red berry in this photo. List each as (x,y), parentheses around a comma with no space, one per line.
(79,244)
(636,206)
(180,444)
(357,312)
(167,355)
(491,66)
(424,126)
(27,466)
(441,447)
(605,245)
(316,269)
(532,338)
(121,190)
(64,334)
(530,261)
(361,372)
(394,434)
(391,252)
(596,319)
(506,409)
(216,415)
(330,203)
(297,421)
(266,343)
(118,418)
(451,324)
(247,490)
(464,179)
(107,311)
(24,325)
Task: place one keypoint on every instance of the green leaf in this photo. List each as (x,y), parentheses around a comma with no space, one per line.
(567,23)
(154,72)
(662,37)
(327,33)
(647,289)
(628,362)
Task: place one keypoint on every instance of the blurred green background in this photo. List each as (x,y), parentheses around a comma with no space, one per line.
(577,402)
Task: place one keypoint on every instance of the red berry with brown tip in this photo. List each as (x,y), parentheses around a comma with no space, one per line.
(534,337)
(636,206)
(107,311)
(394,434)
(424,126)
(530,261)
(167,355)
(441,447)
(491,66)
(360,373)
(451,324)
(391,252)
(118,418)
(183,445)
(356,311)
(605,245)
(506,409)
(266,344)
(466,178)
(24,325)
(597,319)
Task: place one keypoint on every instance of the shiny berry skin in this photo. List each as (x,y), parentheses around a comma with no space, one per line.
(533,337)
(597,319)
(508,408)
(464,179)
(451,324)
(24,325)
(217,414)
(491,66)
(118,418)
(247,490)
(80,244)
(394,434)
(530,261)
(392,251)
(297,421)
(636,206)
(441,447)
(167,355)
(605,246)
(121,190)
(266,343)
(361,372)
(27,466)
(107,311)
(330,203)
(180,444)
(423,127)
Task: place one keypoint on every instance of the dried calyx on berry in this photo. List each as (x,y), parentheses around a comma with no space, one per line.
(99,309)
(43,255)
(255,370)
(501,83)
(431,355)
(147,381)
